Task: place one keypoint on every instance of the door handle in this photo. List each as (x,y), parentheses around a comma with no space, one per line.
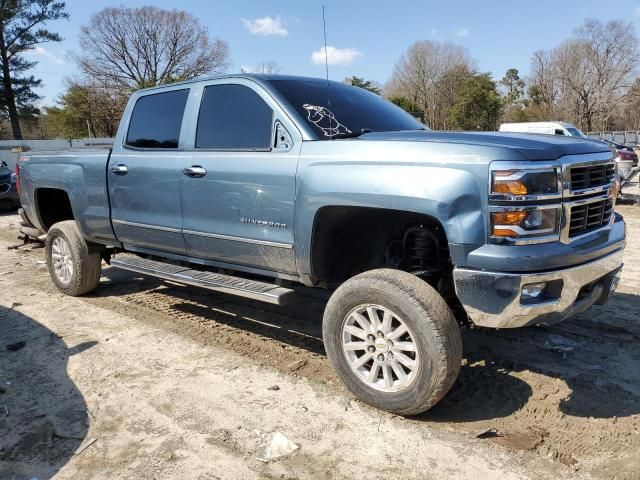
(119,169)
(195,171)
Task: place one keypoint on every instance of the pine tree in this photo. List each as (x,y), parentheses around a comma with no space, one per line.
(22,29)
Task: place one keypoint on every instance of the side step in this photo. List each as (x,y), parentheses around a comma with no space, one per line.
(242,287)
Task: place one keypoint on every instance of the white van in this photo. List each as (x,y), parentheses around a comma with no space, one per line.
(548,128)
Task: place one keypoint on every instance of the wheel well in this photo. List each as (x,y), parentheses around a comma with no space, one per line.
(350,240)
(53,206)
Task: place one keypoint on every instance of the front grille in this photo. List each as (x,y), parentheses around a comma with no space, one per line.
(5,188)
(592,176)
(591,216)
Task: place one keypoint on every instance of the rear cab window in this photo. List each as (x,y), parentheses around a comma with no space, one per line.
(156,120)
(234,117)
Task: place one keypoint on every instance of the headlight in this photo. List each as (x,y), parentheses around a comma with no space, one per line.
(524,183)
(525,224)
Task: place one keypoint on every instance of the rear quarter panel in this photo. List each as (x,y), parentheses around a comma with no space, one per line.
(82,175)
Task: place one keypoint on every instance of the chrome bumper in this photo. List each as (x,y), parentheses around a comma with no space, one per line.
(493,299)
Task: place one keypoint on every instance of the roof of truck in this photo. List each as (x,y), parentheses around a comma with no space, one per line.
(248,76)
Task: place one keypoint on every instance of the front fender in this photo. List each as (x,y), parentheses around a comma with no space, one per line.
(455,197)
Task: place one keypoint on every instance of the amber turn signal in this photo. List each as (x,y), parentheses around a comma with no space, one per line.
(501,219)
(511,187)
(509,218)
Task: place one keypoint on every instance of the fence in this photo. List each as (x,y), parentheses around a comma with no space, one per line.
(10,150)
(631,138)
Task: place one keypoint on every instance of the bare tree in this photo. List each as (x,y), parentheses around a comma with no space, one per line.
(142,47)
(264,67)
(426,71)
(543,85)
(585,78)
(631,110)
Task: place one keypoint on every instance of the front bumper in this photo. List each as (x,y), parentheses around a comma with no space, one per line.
(493,299)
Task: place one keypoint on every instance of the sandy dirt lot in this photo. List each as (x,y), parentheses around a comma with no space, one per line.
(175,382)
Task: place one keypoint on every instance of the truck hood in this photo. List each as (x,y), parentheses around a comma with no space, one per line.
(532,146)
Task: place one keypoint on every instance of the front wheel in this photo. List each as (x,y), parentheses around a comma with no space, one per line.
(393,341)
(72,266)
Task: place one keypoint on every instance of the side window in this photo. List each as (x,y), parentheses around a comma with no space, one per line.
(156,120)
(559,132)
(233,117)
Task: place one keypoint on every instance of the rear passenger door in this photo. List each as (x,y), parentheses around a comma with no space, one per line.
(145,171)
(239,182)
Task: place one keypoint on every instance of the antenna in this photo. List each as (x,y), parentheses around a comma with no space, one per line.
(326,67)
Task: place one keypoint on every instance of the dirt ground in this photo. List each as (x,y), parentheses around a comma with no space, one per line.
(176,382)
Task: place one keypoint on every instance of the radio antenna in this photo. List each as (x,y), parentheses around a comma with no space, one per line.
(326,68)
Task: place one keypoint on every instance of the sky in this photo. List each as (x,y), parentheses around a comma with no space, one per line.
(364,38)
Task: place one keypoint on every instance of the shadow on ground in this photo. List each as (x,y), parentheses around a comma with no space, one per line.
(43,417)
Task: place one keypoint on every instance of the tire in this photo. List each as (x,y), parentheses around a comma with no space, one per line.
(432,332)
(64,239)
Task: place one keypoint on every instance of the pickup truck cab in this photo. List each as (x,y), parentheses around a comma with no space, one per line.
(282,180)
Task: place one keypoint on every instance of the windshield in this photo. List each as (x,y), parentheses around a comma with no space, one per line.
(343,110)
(574,132)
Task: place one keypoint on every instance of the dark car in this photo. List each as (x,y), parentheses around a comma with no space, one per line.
(623,152)
(9,198)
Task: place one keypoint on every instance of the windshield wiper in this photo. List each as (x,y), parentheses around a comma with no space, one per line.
(352,134)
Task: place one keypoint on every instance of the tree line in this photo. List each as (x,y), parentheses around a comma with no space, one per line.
(591,79)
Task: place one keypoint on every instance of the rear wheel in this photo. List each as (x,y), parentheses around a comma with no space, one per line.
(392,340)
(73,267)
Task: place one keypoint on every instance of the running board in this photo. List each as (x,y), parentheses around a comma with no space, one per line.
(266,292)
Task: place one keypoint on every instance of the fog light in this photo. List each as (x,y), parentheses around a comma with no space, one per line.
(533,290)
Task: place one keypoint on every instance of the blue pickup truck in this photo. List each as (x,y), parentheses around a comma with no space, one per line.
(249,184)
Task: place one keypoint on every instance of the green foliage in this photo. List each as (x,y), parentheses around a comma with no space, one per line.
(69,118)
(405,103)
(84,110)
(536,94)
(514,86)
(362,83)
(517,113)
(477,105)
